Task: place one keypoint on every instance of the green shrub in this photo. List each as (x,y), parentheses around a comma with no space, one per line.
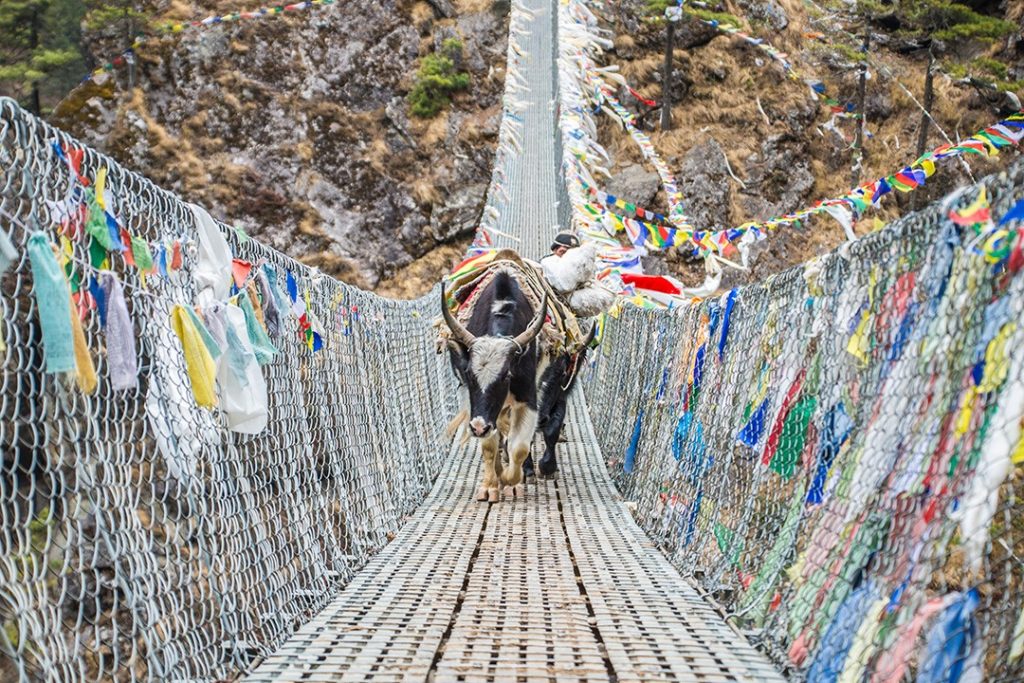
(992,66)
(437,79)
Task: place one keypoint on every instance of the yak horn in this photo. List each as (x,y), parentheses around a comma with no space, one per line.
(590,335)
(459,331)
(533,330)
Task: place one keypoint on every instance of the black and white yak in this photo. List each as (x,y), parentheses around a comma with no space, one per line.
(512,385)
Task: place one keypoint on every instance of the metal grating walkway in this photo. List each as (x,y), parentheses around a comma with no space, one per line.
(536,206)
(562,586)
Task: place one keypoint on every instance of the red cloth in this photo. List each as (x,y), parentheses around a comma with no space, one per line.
(652,283)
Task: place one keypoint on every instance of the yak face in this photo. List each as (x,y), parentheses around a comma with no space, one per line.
(486,369)
(498,357)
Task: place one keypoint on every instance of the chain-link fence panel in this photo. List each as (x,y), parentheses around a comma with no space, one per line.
(835,454)
(142,539)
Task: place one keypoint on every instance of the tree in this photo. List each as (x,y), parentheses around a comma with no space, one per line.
(437,79)
(40,57)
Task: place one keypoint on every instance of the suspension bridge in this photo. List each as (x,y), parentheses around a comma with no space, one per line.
(812,478)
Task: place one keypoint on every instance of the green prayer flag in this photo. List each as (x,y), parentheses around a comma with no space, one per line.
(141,254)
(96,225)
(794,433)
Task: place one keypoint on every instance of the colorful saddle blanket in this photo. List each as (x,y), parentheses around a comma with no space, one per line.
(561,331)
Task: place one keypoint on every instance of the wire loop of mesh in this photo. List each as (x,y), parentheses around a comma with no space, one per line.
(140,538)
(835,454)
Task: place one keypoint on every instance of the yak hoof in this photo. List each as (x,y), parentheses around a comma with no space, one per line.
(517,491)
(548,468)
(489,494)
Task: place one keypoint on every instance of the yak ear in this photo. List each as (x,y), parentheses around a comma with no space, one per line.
(460,354)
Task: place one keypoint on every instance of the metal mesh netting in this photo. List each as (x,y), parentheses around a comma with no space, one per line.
(141,539)
(830,453)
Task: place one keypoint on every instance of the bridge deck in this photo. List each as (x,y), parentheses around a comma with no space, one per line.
(562,586)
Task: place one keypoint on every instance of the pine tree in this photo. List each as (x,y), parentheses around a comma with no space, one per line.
(40,57)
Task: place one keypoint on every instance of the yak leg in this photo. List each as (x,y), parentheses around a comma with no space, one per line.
(489,486)
(528,467)
(523,424)
(552,428)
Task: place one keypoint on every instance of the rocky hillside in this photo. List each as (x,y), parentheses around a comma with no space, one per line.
(297,128)
(749,143)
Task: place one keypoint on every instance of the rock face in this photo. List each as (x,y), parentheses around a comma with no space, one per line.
(636,183)
(297,129)
(779,177)
(704,181)
(768,12)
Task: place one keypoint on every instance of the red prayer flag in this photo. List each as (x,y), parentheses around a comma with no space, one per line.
(240,271)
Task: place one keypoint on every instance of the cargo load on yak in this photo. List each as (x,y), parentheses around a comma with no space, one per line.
(561,332)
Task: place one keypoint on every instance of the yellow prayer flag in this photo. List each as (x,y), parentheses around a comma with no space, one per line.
(1018,452)
(85,371)
(101,183)
(198,362)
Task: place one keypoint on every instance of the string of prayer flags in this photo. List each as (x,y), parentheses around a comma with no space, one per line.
(310,327)
(243,390)
(254,299)
(261,344)
(271,314)
(212,336)
(1016,213)
(987,141)
(301,309)
(85,370)
(176,260)
(141,254)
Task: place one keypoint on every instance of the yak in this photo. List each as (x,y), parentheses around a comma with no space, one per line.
(513,386)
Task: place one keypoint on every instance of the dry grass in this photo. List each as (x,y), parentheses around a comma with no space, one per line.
(178,10)
(420,12)
(430,132)
(425,192)
(641,70)
(340,267)
(473,6)
(378,155)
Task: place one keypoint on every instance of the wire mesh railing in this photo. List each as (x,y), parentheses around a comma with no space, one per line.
(835,454)
(141,538)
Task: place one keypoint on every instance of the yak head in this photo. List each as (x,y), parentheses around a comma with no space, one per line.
(490,364)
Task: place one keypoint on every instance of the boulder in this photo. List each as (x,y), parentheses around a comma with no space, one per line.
(636,184)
